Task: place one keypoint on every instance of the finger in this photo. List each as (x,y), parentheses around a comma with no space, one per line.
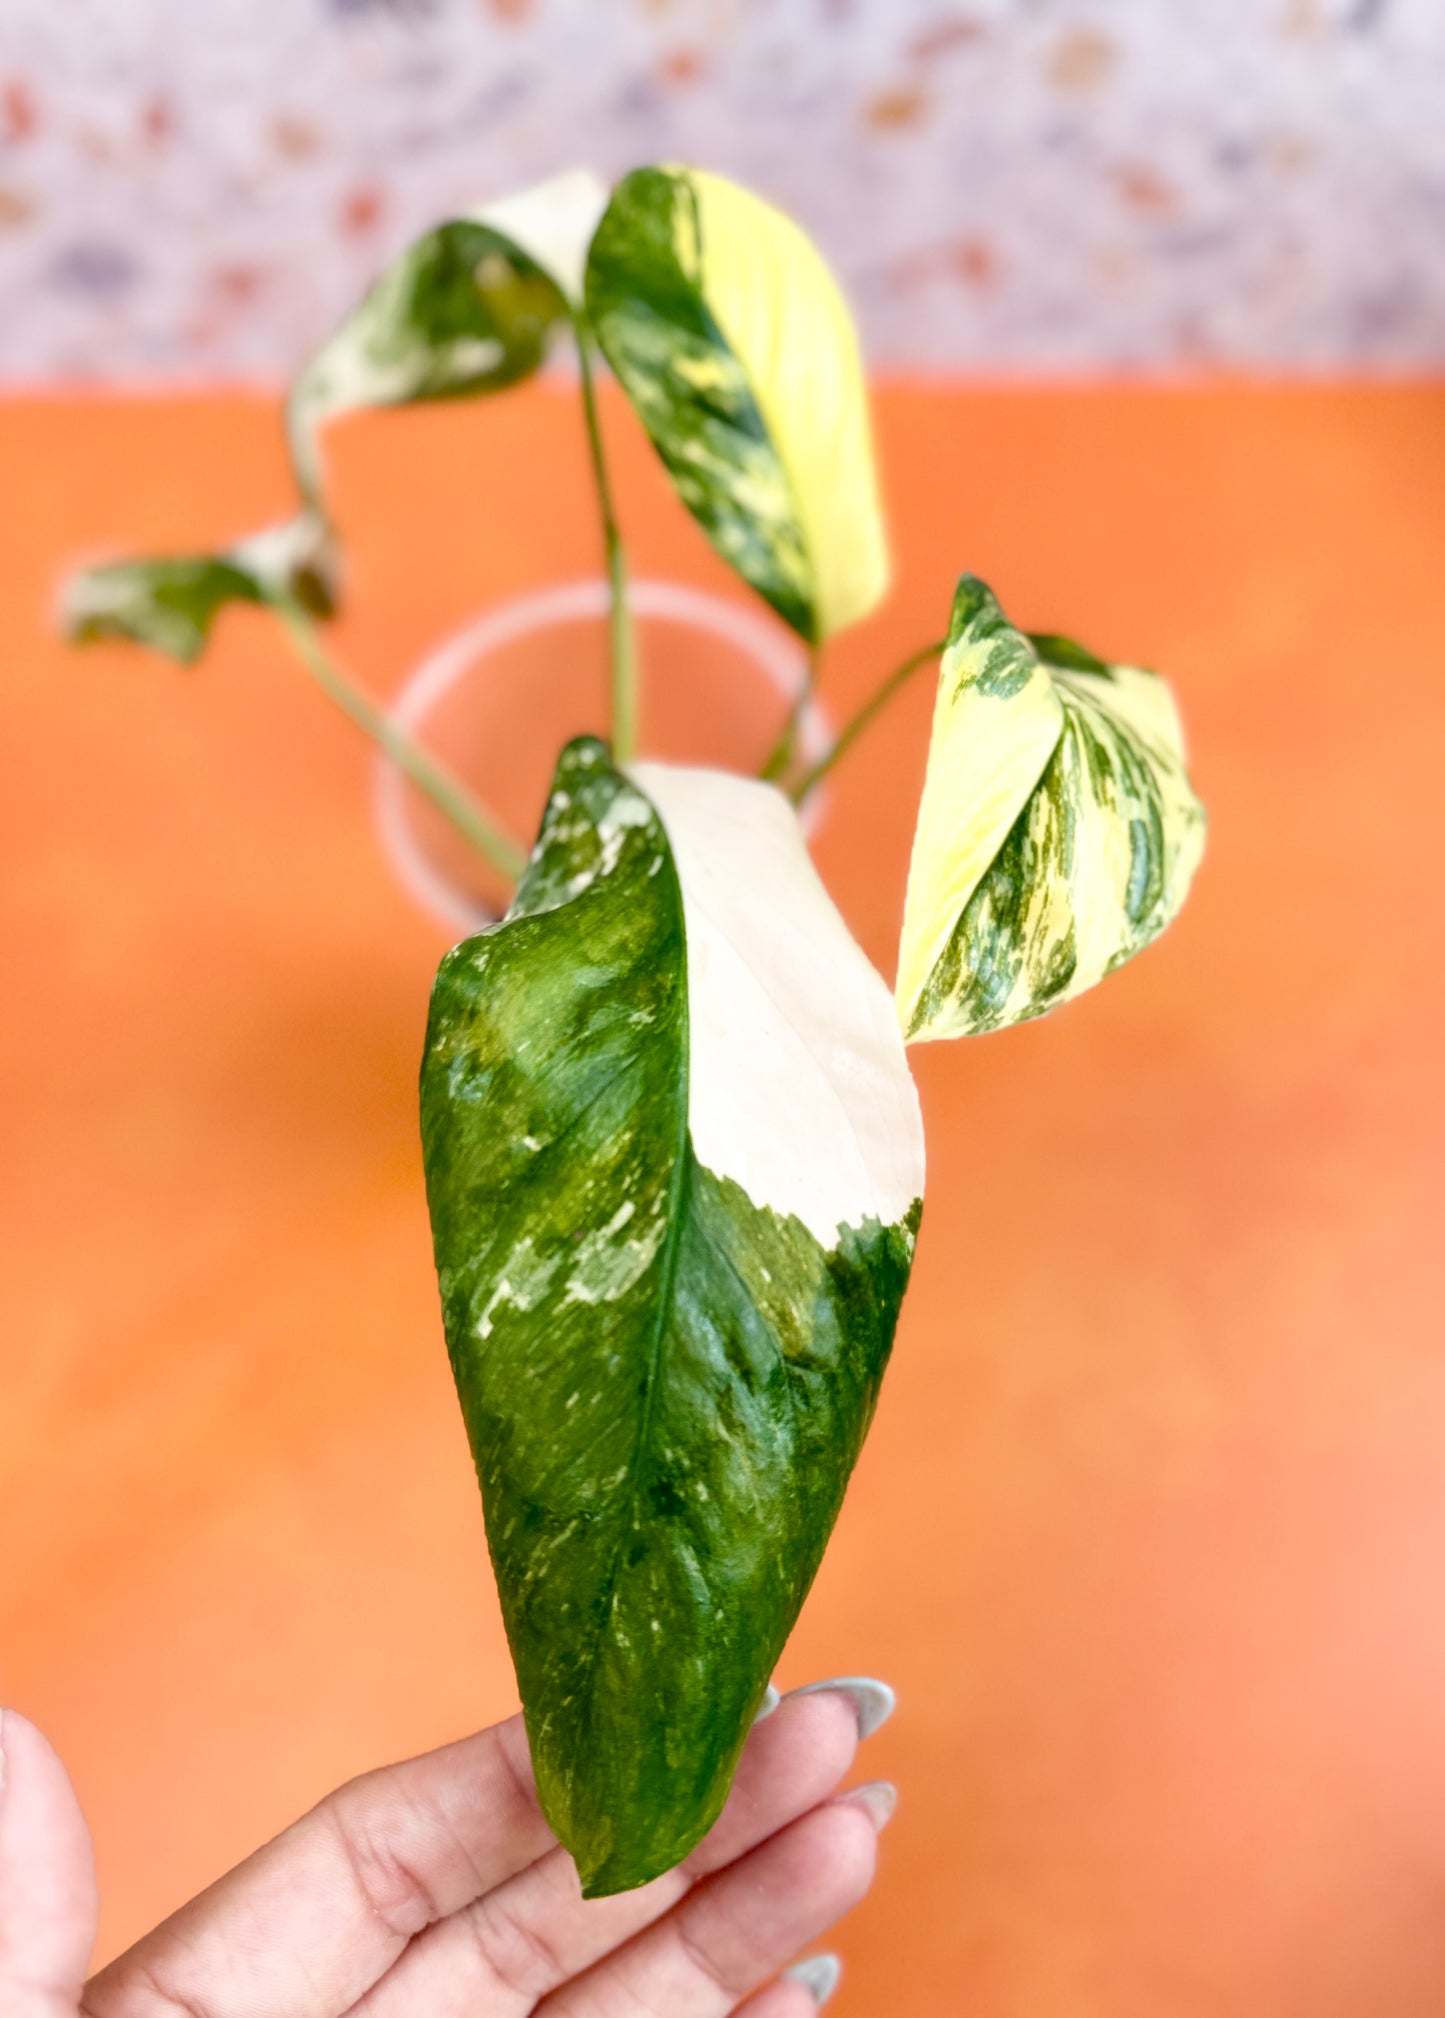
(781,2000)
(309,1923)
(792,1761)
(799,1992)
(738,1928)
(47,1877)
(506,1951)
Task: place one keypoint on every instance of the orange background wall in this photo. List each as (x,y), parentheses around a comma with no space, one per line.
(1151,1531)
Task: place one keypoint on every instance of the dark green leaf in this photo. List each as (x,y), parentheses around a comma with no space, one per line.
(1059,651)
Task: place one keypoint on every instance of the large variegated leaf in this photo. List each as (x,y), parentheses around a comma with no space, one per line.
(468,308)
(674,1162)
(1058,832)
(733,343)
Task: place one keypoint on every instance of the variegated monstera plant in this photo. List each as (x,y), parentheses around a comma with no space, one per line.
(673,1149)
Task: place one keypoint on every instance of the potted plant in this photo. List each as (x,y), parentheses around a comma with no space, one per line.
(673,1149)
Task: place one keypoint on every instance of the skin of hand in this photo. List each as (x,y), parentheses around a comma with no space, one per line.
(434,1889)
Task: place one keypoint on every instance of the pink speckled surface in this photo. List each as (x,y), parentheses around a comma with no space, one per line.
(197,192)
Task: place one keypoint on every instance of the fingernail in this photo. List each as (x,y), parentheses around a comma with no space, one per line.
(769,1703)
(873,1702)
(878,1799)
(819,1976)
(2,1753)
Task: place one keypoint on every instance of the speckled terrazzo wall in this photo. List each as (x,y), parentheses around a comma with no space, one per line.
(193,189)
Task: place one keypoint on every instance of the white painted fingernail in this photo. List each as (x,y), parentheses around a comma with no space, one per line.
(878,1799)
(873,1702)
(769,1704)
(819,1976)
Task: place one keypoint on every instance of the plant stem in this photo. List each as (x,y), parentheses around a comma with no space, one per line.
(781,754)
(874,705)
(624,644)
(441,785)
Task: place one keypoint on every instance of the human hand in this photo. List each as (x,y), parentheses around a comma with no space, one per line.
(435,1888)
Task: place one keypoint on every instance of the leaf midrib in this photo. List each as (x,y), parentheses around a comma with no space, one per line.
(671,1247)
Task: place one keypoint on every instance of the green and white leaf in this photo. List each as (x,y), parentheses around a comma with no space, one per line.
(1058,832)
(469,308)
(735,346)
(170,603)
(674,1162)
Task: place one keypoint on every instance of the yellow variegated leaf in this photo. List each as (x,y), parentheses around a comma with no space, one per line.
(734,344)
(1058,832)
(996,722)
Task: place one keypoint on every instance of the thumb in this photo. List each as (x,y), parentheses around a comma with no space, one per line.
(48,1903)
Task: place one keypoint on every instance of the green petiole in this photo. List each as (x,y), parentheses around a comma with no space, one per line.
(446,791)
(781,754)
(625,698)
(854,727)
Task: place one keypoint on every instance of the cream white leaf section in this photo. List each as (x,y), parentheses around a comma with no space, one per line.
(799,1087)
(280,555)
(786,320)
(553,224)
(1124,726)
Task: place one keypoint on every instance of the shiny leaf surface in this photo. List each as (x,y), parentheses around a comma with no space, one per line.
(673,1159)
